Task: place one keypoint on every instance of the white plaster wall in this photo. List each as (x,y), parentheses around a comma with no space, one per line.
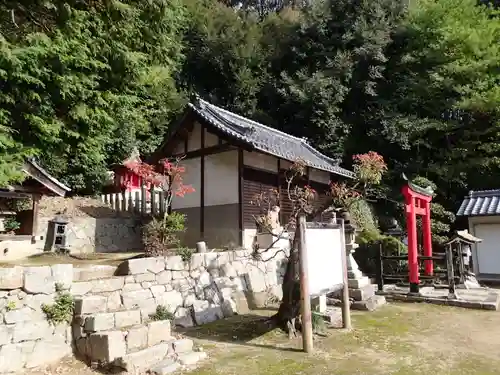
(192,177)
(194,142)
(179,148)
(221,178)
(211,139)
(477,226)
(319,176)
(249,238)
(260,161)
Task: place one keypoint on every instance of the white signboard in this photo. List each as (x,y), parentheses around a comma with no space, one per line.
(325,252)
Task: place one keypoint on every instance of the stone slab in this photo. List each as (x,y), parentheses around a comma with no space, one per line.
(165,367)
(189,359)
(370,304)
(143,359)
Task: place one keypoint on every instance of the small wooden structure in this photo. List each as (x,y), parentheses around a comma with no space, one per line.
(38,182)
(461,244)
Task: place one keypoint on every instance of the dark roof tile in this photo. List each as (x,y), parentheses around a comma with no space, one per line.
(480,203)
(265,138)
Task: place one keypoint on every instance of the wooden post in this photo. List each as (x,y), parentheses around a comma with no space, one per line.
(346,304)
(450,273)
(153,201)
(307,331)
(34,228)
(380,268)
(143,199)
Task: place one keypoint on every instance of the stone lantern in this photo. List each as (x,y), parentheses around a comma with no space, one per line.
(59,229)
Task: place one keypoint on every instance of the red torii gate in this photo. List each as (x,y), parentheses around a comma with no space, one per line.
(417,202)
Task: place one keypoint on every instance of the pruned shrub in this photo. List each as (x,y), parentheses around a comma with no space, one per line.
(161,235)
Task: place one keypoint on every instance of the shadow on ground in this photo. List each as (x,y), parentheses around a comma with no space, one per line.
(240,330)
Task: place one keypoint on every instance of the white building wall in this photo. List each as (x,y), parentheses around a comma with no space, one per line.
(211,139)
(192,177)
(221,179)
(319,176)
(260,161)
(486,254)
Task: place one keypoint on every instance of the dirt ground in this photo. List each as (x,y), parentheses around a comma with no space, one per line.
(399,339)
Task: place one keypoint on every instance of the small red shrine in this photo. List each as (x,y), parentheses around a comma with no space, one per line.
(418,202)
(125,179)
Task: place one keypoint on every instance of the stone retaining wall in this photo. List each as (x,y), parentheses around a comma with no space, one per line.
(208,287)
(101,235)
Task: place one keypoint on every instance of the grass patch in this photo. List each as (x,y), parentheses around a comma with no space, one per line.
(406,339)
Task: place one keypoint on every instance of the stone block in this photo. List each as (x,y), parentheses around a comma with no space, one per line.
(90,305)
(100,322)
(190,359)
(131,287)
(13,356)
(35,301)
(256,280)
(108,285)
(205,279)
(171,300)
(5,334)
(144,359)
(105,347)
(141,266)
(240,299)
(157,290)
(371,304)
(164,277)
(39,280)
(197,261)
(24,314)
(165,367)
(127,318)
(11,278)
(63,275)
(114,301)
(80,288)
(228,270)
(93,273)
(158,331)
(183,318)
(182,346)
(145,277)
(174,263)
(137,338)
(27,331)
(206,313)
(136,298)
(47,352)
(229,308)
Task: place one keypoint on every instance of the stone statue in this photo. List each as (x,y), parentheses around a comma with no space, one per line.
(273,218)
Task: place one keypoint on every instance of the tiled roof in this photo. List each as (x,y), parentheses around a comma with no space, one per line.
(480,203)
(265,138)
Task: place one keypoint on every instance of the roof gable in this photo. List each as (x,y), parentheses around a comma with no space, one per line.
(480,203)
(36,172)
(264,138)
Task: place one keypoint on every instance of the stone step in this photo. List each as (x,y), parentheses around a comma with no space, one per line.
(370,304)
(106,346)
(363,293)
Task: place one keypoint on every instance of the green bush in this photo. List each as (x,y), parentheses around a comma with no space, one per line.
(161,236)
(367,253)
(10,224)
(185,253)
(362,215)
(161,313)
(61,311)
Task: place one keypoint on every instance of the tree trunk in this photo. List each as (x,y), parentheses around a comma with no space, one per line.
(289,309)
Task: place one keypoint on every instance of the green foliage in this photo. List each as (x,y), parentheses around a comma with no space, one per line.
(18,205)
(161,313)
(362,215)
(185,253)
(161,235)
(11,305)
(10,224)
(61,311)
(81,92)
(367,254)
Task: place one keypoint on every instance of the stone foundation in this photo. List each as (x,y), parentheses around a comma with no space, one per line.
(113,305)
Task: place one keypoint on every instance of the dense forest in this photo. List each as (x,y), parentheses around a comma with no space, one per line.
(84,81)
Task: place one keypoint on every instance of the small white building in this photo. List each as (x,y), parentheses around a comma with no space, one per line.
(228,160)
(482,208)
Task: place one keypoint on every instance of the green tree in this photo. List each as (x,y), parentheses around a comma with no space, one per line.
(84,82)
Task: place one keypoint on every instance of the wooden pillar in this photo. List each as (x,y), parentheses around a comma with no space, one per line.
(34,225)
(411,220)
(426,228)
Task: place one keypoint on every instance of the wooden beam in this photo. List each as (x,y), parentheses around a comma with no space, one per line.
(240,194)
(14,194)
(202,188)
(34,226)
(206,151)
